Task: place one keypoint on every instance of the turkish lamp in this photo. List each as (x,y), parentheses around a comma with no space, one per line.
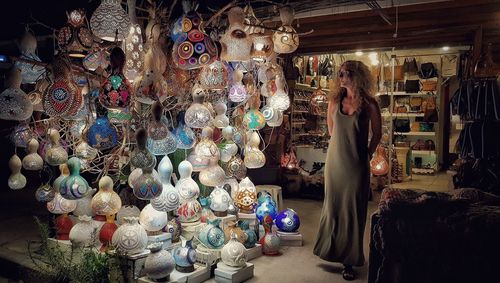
(110,22)
(75,38)
(286,39)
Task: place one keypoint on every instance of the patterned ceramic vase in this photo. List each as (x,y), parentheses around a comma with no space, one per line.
(287,220)
(141,157)
(130,238)
(160,140)
(265,206)
(213,175)
(247,196)
(56,154)
(251,236)
(84,233)
(270,241)
(186,138)
(127,211)
(106,232)
(184,256)
(74,186)
(211,235)
(220,201)
(153,220)
(102,135)
(146,186)
(16,180)
(45,193)
(106,201)
(234,252)
(241,236)
(193,48)
(159,263)
(33,161)
(213,76)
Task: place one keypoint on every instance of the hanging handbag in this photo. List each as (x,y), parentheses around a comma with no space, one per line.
(412,86)
(427,71)
(410,66)
(399,73)
(429,109)
(416,104)
(429,85)
(415,126)
(402,105)
(402,125)
(449,65)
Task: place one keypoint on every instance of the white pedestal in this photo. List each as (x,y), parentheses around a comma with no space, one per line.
(275,192)
(201,273)
(224,220)
(135,264)
(255,252)
(207,256)
(164,237)
(191,229)
(251,217)
(290,238)
(228,274)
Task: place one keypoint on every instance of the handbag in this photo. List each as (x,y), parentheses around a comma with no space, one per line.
(415,126)
(410,66)
(401,105)
(399,72)
(412,86)
(402,125)
(426,127)
(429,109)
(427,71)
(449,65)
(429,85)
(416,104)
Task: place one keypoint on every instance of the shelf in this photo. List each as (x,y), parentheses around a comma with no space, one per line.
(305,111)
(300,99)
(397,93)
(403,115)
(415,133)
(424,152)
(299,122)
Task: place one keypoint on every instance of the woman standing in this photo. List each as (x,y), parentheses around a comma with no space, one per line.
(351,113)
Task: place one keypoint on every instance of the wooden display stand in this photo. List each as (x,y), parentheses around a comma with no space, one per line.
(201,273)
(255,252)
(164,238)
(290,238)
(228,274)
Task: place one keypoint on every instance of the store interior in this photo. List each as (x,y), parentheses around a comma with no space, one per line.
(187,141)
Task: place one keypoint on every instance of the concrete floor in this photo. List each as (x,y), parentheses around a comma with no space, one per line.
(295,264)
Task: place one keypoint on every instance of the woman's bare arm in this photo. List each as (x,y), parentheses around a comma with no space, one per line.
(376,126)
(329,116)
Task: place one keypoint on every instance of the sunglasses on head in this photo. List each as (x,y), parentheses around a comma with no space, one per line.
(345,74)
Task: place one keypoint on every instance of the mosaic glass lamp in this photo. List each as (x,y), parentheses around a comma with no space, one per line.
(116,91)
(109,21)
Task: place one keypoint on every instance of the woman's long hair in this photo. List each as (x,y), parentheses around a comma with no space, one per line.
(362,79)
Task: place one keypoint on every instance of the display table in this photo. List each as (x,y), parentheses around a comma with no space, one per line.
(290,238)
(228,274)
(255,252)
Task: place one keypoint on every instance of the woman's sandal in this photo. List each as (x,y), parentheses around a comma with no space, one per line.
(348,274)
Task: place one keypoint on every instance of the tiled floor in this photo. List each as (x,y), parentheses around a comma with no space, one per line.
(440,182)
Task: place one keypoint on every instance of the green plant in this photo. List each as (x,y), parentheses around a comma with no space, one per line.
(79,265)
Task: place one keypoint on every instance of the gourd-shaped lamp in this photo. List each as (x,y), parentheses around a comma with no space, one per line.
(56,154)
(254,157)
(235,167)
(197,161)
(185,136)
(74,186)
(286,39)
(45,193)
(116,91)
(213,76)
(109,21)
(317,98)
(160,140)
(251,21)
(22,134)
(262,47)
(101,135)
(96,59)
(247,196)
(236,43)
(15,103)
(137,172)
(206,147)
(33,161)
(60,205)
(141,157)
(190,208)
(211,235)
(220,200)
(85,152)
(153,220)
(227,148)
(63,97)
(254,119)
(276,120)
(169,199)
(75,38)
(220,120)
(280,100)
(184,256)
(197,115)
(237,92)
(16,180)
(193,48)
(213,175)
(133,45)
(147,185)
(30,73)
(106,201)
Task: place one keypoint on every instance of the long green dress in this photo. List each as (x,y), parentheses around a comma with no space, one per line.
(347,183)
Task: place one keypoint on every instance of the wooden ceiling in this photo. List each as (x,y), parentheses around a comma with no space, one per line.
(423,25)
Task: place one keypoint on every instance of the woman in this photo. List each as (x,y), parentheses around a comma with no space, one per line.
(351,113)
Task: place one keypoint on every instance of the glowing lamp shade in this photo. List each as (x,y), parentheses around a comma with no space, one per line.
(134,51)
(110,22)
(75,38)
(286,39)
(254,120)
(213,76)
(262,47)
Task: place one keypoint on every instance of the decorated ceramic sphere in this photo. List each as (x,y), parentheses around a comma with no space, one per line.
(266,207)
(288,221)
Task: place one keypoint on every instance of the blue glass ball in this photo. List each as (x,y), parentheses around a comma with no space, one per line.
(287,221)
